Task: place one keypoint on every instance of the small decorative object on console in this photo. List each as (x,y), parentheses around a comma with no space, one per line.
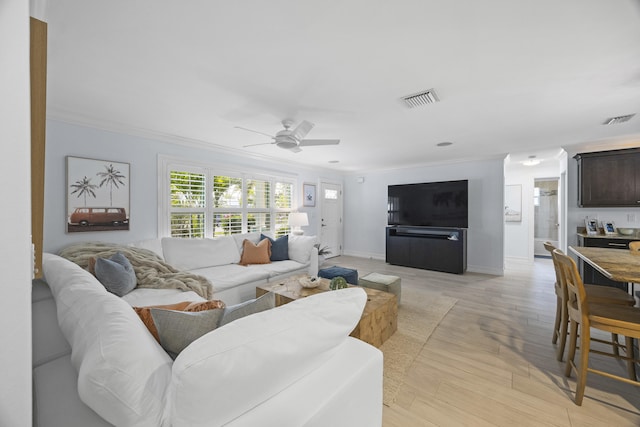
(592,226)
(626,231)
(309,282)
(609,227)
(338,282)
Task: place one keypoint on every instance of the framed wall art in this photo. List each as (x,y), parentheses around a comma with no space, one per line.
(97,195)
(513,203)
(309,194)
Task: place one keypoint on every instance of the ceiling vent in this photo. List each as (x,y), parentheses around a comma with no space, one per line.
(619,119)
(422,98)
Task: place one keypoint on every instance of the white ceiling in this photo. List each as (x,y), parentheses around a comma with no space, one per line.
(512,76)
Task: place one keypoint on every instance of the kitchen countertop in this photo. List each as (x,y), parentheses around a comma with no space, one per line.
(633,236)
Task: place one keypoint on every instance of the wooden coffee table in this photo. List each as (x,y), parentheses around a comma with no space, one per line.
(379,319)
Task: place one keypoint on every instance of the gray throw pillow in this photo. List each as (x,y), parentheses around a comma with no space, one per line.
(116,274)
(279,247)
(262,303)
(178,329)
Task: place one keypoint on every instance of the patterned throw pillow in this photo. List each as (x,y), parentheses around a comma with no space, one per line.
(262,303)
(255,254)
(145,312)
(178,329)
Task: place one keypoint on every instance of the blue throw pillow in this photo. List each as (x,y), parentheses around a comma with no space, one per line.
(116,274)
(279,247)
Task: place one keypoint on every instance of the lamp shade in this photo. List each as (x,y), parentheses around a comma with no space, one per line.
(298,219)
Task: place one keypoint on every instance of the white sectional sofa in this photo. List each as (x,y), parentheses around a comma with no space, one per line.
(96,364)
(217,260)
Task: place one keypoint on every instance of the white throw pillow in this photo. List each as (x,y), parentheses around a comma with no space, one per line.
(265,353)
(300,248)
(190,254)
(123,374)
(239,239)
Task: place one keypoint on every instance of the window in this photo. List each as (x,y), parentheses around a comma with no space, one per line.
(187,205)
(330,194)
(204,201)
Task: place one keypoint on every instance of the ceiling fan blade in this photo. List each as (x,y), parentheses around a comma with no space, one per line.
(309,142)
(262,143)
(302,129)
(254,131)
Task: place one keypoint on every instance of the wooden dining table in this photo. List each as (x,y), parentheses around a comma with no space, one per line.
(616,264)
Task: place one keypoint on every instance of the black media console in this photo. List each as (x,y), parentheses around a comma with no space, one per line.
(429,248)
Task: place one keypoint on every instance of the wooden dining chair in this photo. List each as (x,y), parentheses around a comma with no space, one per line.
(634,247)
(615,319)
(595,293)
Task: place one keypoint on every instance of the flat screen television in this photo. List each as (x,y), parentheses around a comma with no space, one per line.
(429,204)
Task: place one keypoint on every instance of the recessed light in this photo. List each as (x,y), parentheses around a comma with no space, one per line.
(444,144)
(531,162)
(334,161)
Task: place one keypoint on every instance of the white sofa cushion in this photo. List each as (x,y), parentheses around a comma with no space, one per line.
(190,254)
(228,276)
(282,267)
(123,373)
(153,245)
(261,353)
(141,297)
(300,248)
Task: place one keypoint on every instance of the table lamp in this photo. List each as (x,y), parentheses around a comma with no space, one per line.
(297,220)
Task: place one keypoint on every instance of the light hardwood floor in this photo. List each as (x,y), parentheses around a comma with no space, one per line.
(491,362)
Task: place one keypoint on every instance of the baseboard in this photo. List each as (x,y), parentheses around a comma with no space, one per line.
(369,255)
(515,262)
(485,270)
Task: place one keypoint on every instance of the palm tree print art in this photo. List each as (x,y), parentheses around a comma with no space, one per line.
(111,177)
(83,187)
(98,195)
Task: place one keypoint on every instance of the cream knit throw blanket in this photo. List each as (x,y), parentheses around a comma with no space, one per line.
(151,270)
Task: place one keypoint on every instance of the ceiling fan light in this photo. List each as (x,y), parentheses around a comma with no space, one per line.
(619,119)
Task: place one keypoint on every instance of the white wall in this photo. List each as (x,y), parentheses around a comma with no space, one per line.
(365,209)
(15,215)
(576,215)
(64,139)
(365,205)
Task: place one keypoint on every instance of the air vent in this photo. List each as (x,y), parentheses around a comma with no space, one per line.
(619,119)
(422,98)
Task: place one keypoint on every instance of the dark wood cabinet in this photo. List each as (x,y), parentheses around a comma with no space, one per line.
(590,274)
(609,178)
(429,248)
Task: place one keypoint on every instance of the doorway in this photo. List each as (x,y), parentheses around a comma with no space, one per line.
(331,218)
(545,214)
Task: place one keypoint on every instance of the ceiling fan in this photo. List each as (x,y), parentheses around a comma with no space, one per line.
(292,139)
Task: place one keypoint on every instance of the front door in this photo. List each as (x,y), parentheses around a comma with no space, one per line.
(331,218)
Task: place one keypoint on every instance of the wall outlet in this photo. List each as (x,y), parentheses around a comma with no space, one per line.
(631,217)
